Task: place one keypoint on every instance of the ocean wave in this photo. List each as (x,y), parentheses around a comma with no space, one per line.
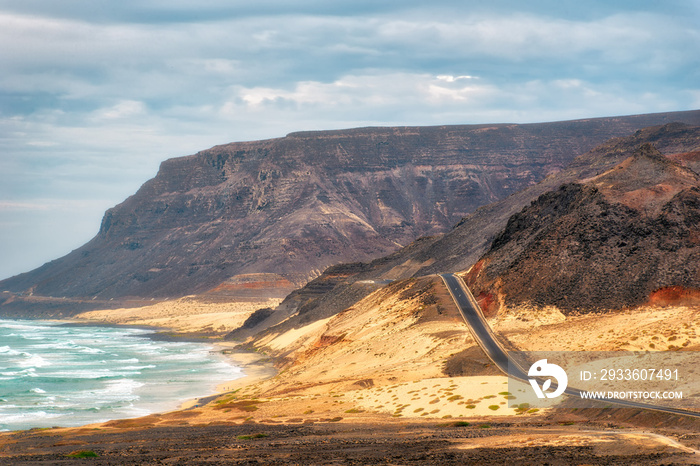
(70,345)
(138,368)
(113,394)
(82,376)
(19,325)
(6,350)
(186,357)
(134,411)
(32,360)
(29,372)
(24,417)
(121,387)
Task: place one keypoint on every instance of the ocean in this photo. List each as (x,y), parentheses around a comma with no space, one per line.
(53,374)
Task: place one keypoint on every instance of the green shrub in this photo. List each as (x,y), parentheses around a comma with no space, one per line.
(251,437)
(82,454)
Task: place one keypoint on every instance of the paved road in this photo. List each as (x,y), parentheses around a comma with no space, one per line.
(482,333)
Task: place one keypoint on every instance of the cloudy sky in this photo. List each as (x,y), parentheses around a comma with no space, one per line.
(95,94)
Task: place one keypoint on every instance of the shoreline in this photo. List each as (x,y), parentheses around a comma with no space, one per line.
(253,367)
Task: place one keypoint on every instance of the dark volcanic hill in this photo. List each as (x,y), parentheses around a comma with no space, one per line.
(295,205)
(607,243)
(618,171)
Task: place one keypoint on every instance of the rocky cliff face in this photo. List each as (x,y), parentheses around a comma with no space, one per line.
(610,242)
(617,168)
(295,205)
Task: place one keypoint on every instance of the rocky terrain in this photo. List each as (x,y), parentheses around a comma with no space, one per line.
(460,248)
(295,205)
(557,442)
(606,244)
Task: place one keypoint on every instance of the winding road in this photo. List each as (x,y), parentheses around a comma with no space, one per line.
(482,333)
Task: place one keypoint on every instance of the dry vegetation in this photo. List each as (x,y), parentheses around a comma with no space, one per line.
(648,328)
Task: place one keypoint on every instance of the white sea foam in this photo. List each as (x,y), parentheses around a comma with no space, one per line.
(195,356)
(73,376)
(28,416)
(33,360)
(138,368)
(114,392)
(24,327)
(125,361)
(70,346)
(30,372)
(82,374)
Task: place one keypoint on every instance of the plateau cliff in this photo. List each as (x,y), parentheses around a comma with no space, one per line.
(630,171)
(295,205)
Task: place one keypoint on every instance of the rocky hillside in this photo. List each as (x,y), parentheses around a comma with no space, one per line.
(610,242)
(295,205)
(340,287)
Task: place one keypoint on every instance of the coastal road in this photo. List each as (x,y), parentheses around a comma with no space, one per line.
(480,329)
(482,333)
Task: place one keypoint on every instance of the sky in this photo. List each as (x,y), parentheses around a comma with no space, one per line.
(95,94)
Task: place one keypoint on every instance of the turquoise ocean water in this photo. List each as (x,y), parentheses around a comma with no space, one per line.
(52,374)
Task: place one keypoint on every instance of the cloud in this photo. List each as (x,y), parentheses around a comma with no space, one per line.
(451,79)
(123,109)
(10,205)
(407,98)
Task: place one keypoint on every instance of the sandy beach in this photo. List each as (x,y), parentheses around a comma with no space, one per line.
(188,315)
(254,368)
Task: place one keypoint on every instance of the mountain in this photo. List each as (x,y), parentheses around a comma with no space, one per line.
(610,242)
(625,169)
(293,206)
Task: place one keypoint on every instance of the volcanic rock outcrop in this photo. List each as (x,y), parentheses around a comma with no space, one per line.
(607,243)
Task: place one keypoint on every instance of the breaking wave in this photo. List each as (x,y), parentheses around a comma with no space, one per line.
(53,374)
